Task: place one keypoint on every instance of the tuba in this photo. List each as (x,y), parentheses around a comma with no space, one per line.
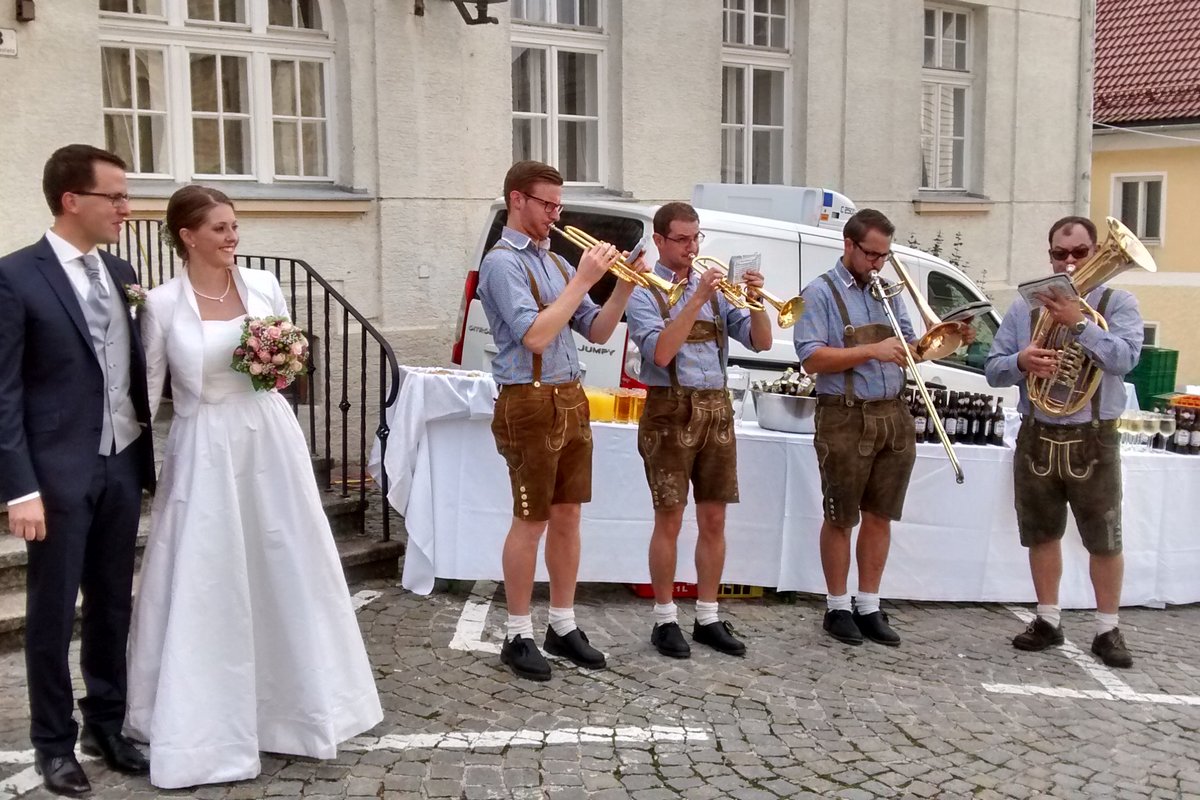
(1078,376)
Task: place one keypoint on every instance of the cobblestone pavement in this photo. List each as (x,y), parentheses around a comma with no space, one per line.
(951,713)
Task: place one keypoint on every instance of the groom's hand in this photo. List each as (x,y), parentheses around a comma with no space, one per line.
(28,520)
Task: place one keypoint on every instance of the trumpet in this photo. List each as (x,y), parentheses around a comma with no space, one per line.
(738,296)
(622,270)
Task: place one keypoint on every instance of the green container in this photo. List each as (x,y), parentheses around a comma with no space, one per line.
(1154,374)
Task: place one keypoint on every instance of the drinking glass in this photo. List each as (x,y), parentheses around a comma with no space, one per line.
(1123,428)
(638,405)
(737,380)
(624,399)
(1166,426)
(1149,426)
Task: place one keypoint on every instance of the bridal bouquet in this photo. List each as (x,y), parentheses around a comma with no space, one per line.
(272,352)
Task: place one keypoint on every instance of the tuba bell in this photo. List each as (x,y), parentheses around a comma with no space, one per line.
(1078,375)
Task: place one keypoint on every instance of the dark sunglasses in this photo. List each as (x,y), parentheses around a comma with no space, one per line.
(1081,252)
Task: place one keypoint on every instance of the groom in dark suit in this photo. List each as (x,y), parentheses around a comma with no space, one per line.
(75,455)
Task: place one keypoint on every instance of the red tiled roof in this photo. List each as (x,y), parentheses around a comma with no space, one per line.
(1147,60)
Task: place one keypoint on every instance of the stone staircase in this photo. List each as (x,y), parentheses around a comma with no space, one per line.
(363,556)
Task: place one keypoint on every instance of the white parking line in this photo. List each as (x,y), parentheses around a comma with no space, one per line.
(360,599)
(468,633)
(1114,687)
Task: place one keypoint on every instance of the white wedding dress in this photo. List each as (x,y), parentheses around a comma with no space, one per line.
(244,638)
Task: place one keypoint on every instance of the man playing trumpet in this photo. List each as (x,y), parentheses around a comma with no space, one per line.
(1074,459)
(533,300)
(686,431)
(865,438)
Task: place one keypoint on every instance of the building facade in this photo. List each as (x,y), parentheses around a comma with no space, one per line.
(368,138)
(1146,158)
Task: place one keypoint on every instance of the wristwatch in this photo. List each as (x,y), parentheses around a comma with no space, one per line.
(1079,327)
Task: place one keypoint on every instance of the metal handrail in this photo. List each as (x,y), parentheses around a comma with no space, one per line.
(155,263)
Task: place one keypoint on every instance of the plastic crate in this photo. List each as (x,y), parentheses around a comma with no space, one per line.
(1154,374)
(727,591)
(1172,399)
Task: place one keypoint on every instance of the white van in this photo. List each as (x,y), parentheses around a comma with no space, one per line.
(792,255)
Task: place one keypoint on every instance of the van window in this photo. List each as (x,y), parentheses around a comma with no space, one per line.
(623,232)
(946,294)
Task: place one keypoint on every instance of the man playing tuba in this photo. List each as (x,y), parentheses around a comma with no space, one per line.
(1070,456)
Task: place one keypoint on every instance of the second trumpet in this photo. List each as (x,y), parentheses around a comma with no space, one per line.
(622,270)
(738,297)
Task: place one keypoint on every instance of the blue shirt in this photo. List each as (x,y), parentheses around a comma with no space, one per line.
(1116,351)
(511,310)
(821,326)
(697,364)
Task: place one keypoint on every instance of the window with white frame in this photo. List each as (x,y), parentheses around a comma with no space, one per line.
(754,91)
(252,104)
(946,98)
(558,50)
(1138,203)
(1150,334)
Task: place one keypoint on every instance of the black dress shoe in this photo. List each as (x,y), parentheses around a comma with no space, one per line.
(840,625)
(668,640)
(718,635)
(62,774)
(1112,649)
(1038,636)
(875,627)
(574,647)
(119,753)
(521,654)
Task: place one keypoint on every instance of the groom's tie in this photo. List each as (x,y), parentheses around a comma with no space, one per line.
(97,299)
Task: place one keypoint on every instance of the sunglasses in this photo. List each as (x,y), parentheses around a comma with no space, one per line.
(1081,252)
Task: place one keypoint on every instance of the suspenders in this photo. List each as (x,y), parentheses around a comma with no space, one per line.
(537,298)
(701,332)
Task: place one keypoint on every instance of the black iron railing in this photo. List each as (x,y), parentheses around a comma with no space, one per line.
(335,397)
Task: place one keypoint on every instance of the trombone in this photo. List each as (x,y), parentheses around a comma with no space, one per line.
(884,294)
(941,338)
(622,270)
(736,294)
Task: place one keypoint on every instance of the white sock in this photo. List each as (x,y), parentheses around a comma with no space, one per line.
(562,620)
(706,613)
(838,602)
(866,603)
(665,613)
(520,626)
(1052,614)
(1105,623)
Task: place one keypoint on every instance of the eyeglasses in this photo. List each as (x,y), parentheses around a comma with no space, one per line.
(1081,252)
(116,198)
(698,238)
(551,208)
(871,254)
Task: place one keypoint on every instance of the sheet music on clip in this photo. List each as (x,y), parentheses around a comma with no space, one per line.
(739,265)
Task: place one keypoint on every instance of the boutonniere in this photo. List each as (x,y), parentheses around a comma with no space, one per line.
(135,296)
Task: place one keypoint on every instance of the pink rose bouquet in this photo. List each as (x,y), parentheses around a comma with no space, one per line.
(273,352)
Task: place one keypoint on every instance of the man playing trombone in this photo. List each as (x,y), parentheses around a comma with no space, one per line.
(686,431)
(533,300)
(1072,457)
(865,437)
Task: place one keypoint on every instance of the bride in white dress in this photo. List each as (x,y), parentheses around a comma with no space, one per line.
(244,638)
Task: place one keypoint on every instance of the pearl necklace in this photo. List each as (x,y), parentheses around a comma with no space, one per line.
(221,299)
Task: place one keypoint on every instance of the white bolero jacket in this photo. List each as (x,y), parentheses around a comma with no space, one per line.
(174,338)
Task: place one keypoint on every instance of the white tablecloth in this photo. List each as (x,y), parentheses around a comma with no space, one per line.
(956,543)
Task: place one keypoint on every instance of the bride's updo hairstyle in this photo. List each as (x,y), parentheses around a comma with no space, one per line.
(188,208)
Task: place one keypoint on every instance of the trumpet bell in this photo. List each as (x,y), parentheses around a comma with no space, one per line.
(791,311)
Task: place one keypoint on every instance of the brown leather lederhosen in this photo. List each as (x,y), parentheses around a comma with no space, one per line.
(1077,465)
(685,434)
(865,448)
(543,431)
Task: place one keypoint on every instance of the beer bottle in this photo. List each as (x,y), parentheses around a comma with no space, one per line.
(1183,430)
(1194,436)
(997,434)
(950,417)
(981,420)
